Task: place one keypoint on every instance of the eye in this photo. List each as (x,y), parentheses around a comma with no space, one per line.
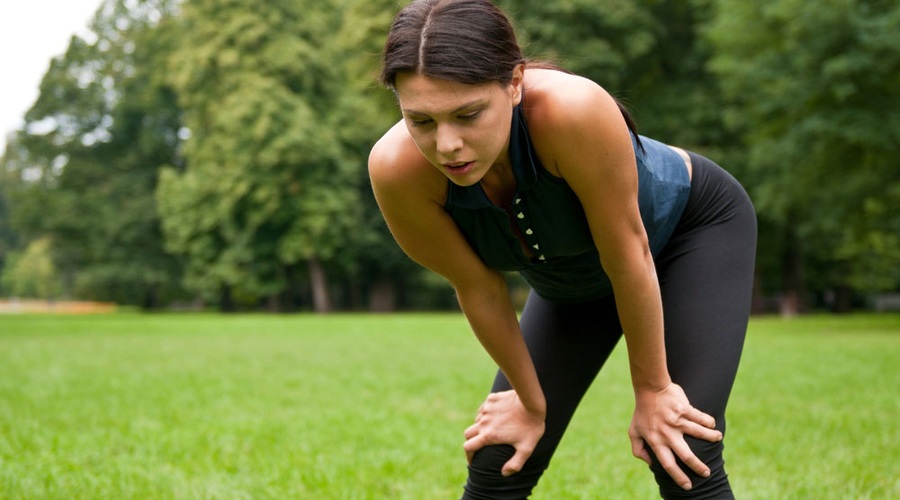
(469,116)
(421,122)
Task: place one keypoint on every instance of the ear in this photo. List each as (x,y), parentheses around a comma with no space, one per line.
(516,84)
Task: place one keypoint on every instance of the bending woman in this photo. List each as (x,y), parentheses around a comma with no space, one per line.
(497,166)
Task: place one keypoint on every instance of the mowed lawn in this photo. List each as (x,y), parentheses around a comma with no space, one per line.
(374,406)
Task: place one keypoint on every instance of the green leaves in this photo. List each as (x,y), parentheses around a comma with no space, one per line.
(811,84)
(222,144)
(273,165)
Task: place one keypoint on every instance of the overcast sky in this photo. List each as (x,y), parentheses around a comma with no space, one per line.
(32,32)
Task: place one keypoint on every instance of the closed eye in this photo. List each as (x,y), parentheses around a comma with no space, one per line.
(420,122)
(469,116)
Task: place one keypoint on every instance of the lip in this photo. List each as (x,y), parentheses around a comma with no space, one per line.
(459,168)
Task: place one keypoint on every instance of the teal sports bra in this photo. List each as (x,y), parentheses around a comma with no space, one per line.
(565,265)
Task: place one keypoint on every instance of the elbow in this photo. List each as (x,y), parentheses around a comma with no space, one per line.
(629,264)
(483,290)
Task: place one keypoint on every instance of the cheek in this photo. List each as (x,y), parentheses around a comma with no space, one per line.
(423,141)
(495,138)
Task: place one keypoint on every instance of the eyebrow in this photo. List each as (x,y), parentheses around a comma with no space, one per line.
(468,105)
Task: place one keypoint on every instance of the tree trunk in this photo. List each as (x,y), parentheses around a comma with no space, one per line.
(226,303)
(151,298)
(273,303)
(382,296)
(319,284)
(792,274)
(757,300)
(843,300)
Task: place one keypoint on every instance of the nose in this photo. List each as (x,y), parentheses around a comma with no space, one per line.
(448,140)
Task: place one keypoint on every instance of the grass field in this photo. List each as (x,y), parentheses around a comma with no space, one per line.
(368,407)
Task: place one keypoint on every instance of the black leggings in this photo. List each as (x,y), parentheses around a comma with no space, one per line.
(706,275)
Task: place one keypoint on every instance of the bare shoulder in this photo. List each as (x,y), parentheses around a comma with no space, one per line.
(411,194)
(561,108)
(561,97)
(395,163)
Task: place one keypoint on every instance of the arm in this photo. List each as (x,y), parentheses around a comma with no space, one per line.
(592,150)
(410,193)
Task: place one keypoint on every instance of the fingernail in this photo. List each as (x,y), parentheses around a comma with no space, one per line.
(705,473)
(686,486)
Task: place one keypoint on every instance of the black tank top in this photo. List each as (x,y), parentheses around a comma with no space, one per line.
(565,265)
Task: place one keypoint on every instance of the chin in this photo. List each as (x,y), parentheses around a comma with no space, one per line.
(463,180)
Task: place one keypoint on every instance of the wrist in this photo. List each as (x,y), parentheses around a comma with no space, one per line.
(657,384)
(536,405)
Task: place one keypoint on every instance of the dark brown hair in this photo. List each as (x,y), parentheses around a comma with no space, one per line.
(463,41)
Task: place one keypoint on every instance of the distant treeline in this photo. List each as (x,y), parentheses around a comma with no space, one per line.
(214,153)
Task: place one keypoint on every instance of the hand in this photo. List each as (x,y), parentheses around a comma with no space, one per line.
(661,420)
(503,419)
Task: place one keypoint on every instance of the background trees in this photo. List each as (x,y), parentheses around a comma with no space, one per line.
(812,90)
(217,149)
(85,163)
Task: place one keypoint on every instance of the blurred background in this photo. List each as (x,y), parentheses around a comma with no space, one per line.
(203,154)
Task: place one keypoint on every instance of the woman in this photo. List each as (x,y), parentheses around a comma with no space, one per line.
(501,166)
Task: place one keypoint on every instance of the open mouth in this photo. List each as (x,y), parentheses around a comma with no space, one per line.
(459,168)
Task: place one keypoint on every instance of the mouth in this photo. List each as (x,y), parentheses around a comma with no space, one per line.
(459,168)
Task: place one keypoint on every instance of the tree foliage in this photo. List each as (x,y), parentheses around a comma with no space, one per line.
(217,148)
(272,99)
(31,273)
(88,155)
(812,88)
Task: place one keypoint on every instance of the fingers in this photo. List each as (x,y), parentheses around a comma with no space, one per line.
(700,425)
(701,418)
(639,449)
(667,461)
(701,432)
(666,457)
(472,445)
(515,463)
(687,456)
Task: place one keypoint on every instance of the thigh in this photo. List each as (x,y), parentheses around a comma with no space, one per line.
(706,279)
(568,345)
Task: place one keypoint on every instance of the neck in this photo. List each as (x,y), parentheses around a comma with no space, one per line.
(499,184)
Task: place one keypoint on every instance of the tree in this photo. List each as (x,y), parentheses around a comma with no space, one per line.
(375,264)
(809,85)
(88,156)
(270,187)
(648,53)
(31,273)
(7,234)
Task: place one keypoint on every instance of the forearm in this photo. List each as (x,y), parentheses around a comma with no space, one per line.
(493,320)
(640,312)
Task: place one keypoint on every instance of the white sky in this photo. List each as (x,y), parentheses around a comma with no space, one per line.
(32,32)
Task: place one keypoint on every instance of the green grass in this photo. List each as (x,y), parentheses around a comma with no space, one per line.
(370,407)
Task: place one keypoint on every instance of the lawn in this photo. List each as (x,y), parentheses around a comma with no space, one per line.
(368,407)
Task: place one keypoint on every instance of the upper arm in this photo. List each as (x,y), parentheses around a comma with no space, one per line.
(593,152)
(410,193)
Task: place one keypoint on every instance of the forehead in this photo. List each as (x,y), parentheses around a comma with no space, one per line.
(433,96)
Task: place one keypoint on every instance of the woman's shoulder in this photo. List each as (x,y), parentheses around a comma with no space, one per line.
(561,107)
(556,98)
(396,164)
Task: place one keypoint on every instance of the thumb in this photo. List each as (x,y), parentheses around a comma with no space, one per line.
(515,463)
(639,449)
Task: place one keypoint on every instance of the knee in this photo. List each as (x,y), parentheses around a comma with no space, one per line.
(714,487)
(486,482)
